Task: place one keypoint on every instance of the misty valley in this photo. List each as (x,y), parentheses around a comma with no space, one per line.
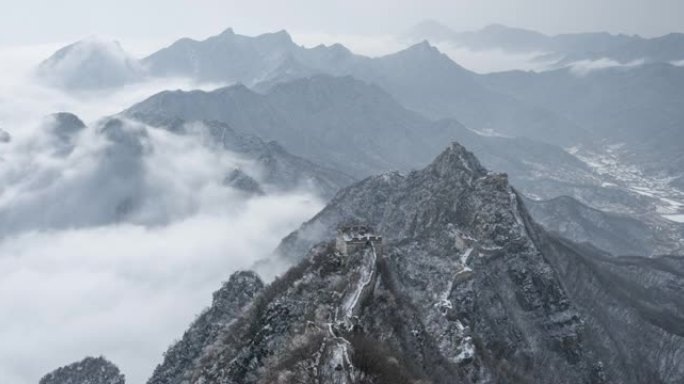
(496,205)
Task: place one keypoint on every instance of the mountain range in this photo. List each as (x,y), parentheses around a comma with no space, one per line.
(560,270)
(427,81)
(342,122)
(638,107)
(358,129)
(564,48)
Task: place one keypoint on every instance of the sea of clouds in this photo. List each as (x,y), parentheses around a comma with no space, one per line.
(77,279)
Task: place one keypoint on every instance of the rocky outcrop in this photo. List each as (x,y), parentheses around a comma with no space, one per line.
(91,370)
(228,304)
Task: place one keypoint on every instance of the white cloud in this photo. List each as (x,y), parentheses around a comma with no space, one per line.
(125,291)
(76,280)
(495,60)
(584,67)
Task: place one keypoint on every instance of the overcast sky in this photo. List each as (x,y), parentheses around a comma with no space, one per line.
(43,21)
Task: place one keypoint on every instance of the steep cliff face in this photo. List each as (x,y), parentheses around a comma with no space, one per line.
(91,370)
(227,305)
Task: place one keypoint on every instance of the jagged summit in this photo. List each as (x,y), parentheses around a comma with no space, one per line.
(421,202)
(282,35)
(91,370)
(422,49)
(457,158)
(226,57)
(230,36)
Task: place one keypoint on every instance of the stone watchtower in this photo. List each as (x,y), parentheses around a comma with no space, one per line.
(354,237)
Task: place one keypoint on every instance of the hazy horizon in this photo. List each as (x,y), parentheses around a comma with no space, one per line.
(128,21)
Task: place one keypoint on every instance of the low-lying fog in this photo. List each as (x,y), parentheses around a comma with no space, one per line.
(76,280)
